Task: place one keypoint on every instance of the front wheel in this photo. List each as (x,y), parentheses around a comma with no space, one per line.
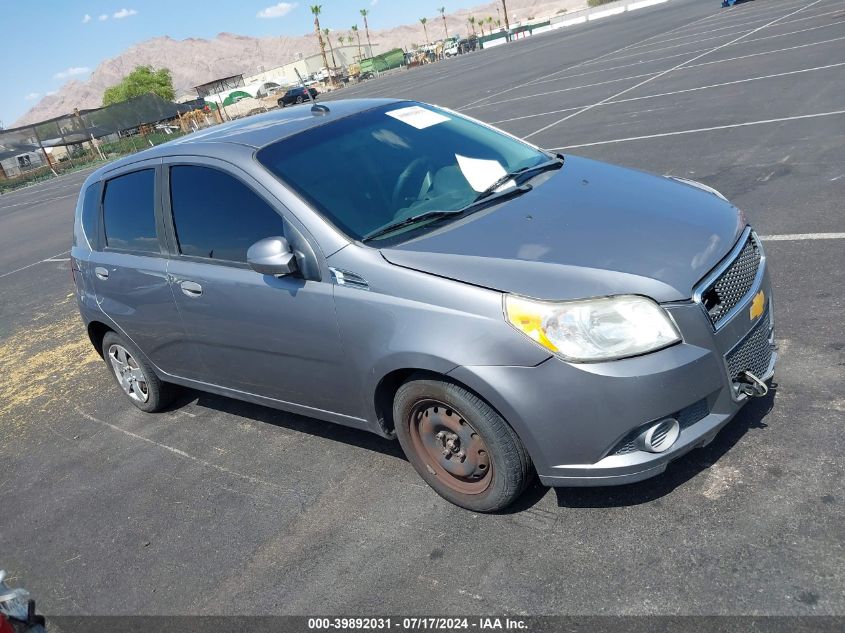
(459,445)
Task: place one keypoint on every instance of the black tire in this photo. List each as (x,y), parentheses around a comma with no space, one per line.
(299,99)
(510,469)
(150,393)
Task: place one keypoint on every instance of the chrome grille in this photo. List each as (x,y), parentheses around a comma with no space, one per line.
(724,294)
(754,352)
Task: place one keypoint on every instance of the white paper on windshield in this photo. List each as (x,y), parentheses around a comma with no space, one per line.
(417,117)
(480,172)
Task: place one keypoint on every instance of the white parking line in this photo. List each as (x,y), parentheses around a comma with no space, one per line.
(52,183)
(702,129)
(584,63)
(652,96)
(674,92)
(727,83)
(747,10)
(23,204)
(797,237)
(758,39)
(665,72)
(552,92)
(40,261)
(710,63)
(735,27)
(181,453)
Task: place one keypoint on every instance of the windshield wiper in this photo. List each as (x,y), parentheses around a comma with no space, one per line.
(414,219)
(434,215)
(487,196)
(521,175)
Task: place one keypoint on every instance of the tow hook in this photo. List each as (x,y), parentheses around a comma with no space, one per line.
(751,386)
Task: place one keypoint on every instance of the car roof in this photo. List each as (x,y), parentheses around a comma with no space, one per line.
(255,131)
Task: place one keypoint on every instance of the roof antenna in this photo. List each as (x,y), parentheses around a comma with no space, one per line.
(318,109)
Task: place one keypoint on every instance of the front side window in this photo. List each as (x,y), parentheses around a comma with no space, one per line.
(392,162)
(129,212)
(216,216)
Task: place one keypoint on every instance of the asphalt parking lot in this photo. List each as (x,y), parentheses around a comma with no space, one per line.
(222,507)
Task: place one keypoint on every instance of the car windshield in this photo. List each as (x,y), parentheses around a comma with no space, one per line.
(393,162)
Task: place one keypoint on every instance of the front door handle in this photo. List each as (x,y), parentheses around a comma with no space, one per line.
(102,273)
(190,288)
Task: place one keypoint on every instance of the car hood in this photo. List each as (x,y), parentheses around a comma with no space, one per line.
(590,229)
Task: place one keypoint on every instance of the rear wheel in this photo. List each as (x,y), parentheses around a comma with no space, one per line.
(299,99)
(134,375)
(459,445)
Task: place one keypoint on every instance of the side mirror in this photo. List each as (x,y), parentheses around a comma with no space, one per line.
(271,256)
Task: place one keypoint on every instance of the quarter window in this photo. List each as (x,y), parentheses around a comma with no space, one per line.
(129,212)
(216,216)
(90,212)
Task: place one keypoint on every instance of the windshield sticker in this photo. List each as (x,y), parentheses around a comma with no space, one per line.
(479,172)
(417,117)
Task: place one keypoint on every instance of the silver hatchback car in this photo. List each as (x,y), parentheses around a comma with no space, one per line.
(405,270)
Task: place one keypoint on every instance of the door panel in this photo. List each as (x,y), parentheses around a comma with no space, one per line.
(271,337)
(129,268)
(136,295)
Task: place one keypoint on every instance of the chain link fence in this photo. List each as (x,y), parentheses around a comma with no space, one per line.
(74,141)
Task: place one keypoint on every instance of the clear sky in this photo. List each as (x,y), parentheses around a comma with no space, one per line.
(48,42)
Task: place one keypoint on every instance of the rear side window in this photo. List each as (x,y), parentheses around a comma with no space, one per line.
(91,212)
(216,216)
(129,212)
(88,217)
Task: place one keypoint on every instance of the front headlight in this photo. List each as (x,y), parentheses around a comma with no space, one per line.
(593,329)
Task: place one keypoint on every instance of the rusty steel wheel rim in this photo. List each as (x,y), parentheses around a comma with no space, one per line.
(450,447)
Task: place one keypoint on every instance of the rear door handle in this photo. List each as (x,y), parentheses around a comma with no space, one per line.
(102,273)
(190,288)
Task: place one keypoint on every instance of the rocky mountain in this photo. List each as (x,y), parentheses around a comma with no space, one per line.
(194,61)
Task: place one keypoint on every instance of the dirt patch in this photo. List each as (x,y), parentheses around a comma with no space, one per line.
(720,479)
(42,365)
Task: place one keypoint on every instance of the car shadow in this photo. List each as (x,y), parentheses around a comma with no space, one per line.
(292,421)
(751,416)
(677,473)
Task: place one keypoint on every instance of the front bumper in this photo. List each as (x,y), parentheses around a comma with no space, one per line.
(575,418)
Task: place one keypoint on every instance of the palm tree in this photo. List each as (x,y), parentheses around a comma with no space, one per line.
(365,13)
(481,25)
(505,10)
(490,23)
(425,30)
(471,21)
(315,9)
(443,15)
(357,35)
(326,31)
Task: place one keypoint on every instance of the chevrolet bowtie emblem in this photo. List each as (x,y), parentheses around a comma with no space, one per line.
(758,304)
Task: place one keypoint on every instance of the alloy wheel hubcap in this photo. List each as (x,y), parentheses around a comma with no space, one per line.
(452,449)
(129,374)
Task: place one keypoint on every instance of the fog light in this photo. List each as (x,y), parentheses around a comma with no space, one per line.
(660,436)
